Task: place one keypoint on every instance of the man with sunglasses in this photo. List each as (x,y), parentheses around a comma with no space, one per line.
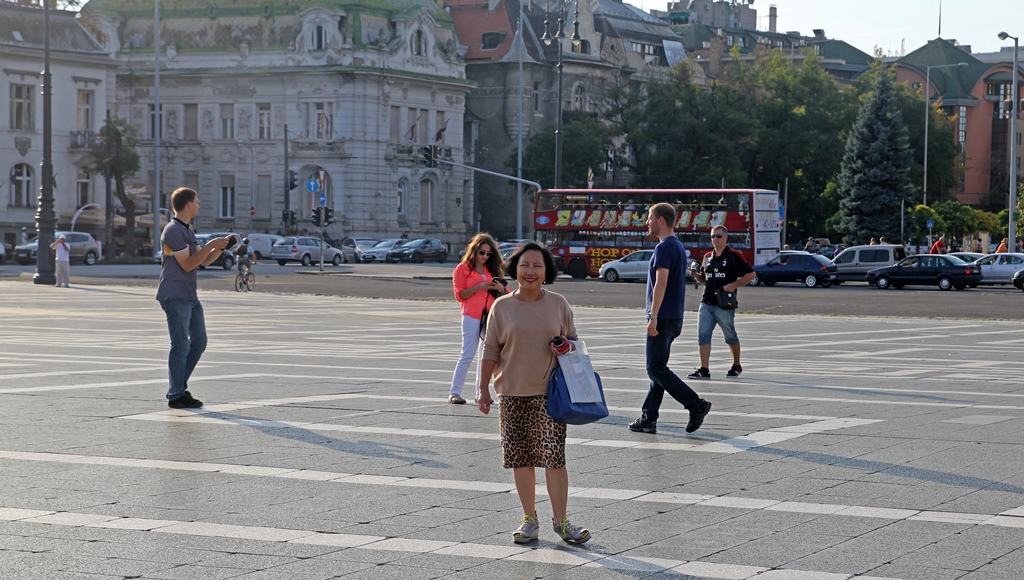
(721,269)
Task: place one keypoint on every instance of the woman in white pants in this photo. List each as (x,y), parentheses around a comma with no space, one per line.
(477,282)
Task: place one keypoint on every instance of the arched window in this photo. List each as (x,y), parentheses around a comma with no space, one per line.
(21,186)
(419,43)
(426,201)
(579,98)
(318,41)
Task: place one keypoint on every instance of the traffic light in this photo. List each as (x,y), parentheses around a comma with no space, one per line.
(292,181)
(328,216)
(315,216)
(291,217)
(284,217)
(428,156)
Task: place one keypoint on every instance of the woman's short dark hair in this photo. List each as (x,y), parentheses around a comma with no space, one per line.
(550,273)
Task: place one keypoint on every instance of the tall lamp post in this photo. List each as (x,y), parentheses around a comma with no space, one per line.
(46,218)
(927,115)
(1012,236)
(558,37)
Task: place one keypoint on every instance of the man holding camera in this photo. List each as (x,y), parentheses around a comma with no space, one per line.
(177,295)
(722,269)
(666,289)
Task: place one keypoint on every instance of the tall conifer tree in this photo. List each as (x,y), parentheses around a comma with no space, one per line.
(874,176)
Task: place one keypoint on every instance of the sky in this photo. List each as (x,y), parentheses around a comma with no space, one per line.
(895,26)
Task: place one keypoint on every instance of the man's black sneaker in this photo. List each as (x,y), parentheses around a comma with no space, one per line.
(186,401)
(643,426)
(697,415)
(734,372)
(701,373)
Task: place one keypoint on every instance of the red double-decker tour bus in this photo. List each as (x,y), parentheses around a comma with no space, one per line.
(587,227)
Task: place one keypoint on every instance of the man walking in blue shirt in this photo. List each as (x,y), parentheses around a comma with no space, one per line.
(666,289)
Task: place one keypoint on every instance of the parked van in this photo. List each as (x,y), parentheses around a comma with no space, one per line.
(854,262)
(263,244)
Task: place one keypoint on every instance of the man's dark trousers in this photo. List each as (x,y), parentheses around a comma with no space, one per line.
(662,378)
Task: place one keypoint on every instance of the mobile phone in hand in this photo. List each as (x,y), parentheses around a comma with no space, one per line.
(232,240)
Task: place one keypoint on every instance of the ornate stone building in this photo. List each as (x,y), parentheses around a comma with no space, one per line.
(355,90)
(618,44)
(82,75)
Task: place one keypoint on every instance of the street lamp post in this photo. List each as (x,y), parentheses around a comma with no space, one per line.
(46,218)
(927,115)
(558,37)
(1012,235)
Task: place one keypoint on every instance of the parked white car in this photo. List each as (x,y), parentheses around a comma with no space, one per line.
(632,266)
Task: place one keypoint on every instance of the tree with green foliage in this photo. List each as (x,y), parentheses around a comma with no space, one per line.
(989,222)
(122,160)
(585,145)
(958,219)
(919,222)
(874,178)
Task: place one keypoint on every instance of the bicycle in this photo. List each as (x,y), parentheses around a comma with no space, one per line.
(245,278)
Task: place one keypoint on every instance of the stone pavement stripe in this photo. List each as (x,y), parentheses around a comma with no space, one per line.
(727,446)
(63,373)
(1006,519)
(122,384)
(555,554)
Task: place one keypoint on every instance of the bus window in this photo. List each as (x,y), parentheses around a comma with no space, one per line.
(549,201)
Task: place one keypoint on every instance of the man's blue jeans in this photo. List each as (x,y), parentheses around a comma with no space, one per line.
(187,328)
(662,378)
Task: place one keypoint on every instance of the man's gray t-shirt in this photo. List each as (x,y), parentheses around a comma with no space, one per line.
(176,283)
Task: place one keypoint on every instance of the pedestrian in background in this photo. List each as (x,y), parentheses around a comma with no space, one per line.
(24,235)
(873,242)
(1003,246)
(666,289)
(63,260)
(518,344)
(939,247)
(721,269)
(477,283)
(177,295)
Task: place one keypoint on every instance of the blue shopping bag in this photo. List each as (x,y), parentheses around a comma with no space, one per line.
(577,401)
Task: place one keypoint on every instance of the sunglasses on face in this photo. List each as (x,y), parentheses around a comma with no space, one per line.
(716,236)
(484,253)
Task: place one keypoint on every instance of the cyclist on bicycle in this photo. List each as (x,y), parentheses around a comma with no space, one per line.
(245,257)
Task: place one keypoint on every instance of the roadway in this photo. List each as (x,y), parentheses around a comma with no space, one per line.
(433,282)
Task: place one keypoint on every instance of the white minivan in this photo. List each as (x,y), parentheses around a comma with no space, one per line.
(263,244)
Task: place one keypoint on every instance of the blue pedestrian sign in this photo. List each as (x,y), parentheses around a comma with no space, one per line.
(930,224)
(312,185)
(323,198)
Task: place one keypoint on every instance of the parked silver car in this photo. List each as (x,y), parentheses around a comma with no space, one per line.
(84,248)
(352,248)
(305,250)
(1000,268)
(379,252)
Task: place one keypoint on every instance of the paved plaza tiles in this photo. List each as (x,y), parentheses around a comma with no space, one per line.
(850,448)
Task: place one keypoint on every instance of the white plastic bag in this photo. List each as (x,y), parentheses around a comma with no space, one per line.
(579,374)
